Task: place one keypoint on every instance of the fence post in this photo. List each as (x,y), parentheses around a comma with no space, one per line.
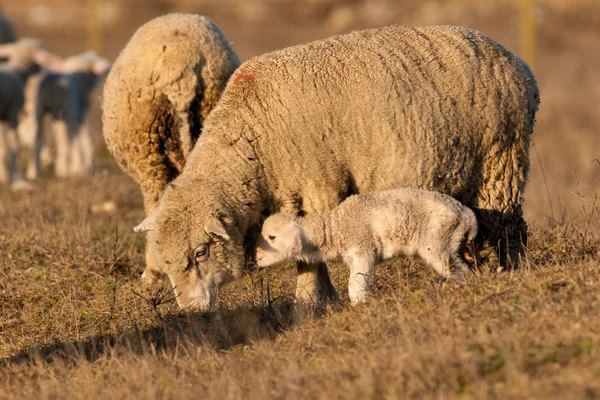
(94,26)
(528,32)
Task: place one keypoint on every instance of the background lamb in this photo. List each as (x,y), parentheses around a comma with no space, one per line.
(65,94)
(25,57)
(441,108)
(161,88)
(369,228)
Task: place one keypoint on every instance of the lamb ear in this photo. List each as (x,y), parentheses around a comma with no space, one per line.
(215,227)
(296,243)
(149,224)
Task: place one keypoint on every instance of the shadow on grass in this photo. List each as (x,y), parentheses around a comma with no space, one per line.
(221,329)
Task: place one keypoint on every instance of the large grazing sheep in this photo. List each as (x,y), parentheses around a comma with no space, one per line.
(366,229)
(25,57)
(65,95)
(161,88)
(440,108)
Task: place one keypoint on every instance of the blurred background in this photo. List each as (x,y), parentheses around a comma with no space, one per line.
(560,39)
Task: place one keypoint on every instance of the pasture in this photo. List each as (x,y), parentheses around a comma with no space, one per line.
(76,321)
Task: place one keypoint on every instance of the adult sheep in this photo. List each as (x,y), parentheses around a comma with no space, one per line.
(161,88)
(440,108)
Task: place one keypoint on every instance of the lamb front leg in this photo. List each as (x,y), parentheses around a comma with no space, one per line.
(362,272)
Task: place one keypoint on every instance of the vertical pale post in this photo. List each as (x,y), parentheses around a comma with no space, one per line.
(94,26)
(528,32)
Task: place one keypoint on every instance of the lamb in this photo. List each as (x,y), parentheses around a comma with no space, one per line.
(64,94)
(25,57)
(298,130)
(369,228)
(163,85)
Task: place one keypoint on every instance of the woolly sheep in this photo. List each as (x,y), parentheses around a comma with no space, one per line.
(298,130)
(24,59)
(369,228)
(161,88)
(64,94)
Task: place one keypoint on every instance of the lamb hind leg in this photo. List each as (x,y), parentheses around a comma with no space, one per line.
(362,271)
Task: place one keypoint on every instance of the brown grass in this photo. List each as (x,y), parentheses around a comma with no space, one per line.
(76,322)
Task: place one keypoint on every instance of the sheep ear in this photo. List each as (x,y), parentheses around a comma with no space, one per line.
(149,224)
(215,227)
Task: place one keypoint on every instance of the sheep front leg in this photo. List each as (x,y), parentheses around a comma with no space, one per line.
(87,148)
(12,152)
(362,271)
(76,167)
(33,167)
(314,284)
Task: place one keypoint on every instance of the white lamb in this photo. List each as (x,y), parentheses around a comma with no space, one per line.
(369,228)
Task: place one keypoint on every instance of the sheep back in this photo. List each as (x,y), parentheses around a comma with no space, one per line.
(162,86)
(441,108)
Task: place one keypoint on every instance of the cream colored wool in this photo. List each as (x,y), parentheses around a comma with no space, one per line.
(298,130)
(367,229)
(161,88)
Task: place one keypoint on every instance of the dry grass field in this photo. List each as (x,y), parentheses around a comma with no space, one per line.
(77,322)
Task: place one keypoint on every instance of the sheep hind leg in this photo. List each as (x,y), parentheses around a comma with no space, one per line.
(506,232)
(438,260)
(314,287)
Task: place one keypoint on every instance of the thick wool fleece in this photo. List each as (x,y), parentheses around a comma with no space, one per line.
(162,86)
(441,108)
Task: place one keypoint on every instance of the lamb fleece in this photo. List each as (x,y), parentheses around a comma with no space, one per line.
(369,228)
(441,108)
(161,88)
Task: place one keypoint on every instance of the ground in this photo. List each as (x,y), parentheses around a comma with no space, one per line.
(77,322)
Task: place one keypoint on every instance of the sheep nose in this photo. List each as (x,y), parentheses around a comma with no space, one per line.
(259,255)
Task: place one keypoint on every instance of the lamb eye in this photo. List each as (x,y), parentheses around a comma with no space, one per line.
(271,237)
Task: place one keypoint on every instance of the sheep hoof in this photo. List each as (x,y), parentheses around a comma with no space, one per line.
(21,186)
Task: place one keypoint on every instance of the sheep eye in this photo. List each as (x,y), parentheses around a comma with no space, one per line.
(200,254)
(271,237)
